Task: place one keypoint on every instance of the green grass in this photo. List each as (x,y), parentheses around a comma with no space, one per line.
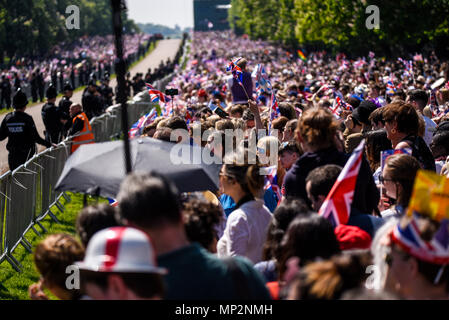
(113,76)
(14,285)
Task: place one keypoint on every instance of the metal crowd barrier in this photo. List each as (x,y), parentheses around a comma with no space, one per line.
(27,194)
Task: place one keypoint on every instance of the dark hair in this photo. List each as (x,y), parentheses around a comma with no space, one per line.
(419,96)
(224,124)
(144,285)
(354,102)
(238,108)
(163,134)
(177,123)
(53,255)
(308,237)
(247,115)
(405,115)
(148,200)
(377,116)
(400,93)
(287,110)
(440,144)
(290,146)
(376,141)
(291,125)
(283,215)
(402,169)
(93,219)
(279,123)
(200,221)
(322,179)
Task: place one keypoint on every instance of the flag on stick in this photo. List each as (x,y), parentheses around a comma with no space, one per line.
(337,206)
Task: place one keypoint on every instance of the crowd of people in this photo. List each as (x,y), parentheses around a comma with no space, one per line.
(259,236)
(76,63)
(65,118)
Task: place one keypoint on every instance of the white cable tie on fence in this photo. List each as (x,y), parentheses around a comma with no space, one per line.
(29,171)
(36,164)
(51,157)
(19,184)
(1,193)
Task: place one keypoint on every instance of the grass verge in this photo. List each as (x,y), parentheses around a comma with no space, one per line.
(14,285)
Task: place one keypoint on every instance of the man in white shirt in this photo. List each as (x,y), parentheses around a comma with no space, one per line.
(419,98)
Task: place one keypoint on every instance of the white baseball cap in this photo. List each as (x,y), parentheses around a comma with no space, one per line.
(120,249)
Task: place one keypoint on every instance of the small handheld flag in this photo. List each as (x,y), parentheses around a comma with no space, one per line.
(386,153)
(301,55)
(337,206)
(155,95)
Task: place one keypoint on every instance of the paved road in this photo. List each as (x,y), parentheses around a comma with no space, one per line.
(165,49)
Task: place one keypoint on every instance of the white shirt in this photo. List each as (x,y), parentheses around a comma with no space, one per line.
(246,231)
(430,129)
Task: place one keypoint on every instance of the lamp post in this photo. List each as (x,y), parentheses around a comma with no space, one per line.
(120,68)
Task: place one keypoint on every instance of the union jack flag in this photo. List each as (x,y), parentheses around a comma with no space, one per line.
(359,63)
(433,103)
(386,153)
(274,112)
(236,70)
(262,83)
(337,206)
(271,181)
(408,66)
(391,88)
(434,251)
(155,95)
(112,202)
(189,115)
(335,109)
(342,104)
(136,129)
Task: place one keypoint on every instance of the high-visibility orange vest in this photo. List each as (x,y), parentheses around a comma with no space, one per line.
(85,135)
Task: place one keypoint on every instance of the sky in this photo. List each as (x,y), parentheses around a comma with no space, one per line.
(165,12)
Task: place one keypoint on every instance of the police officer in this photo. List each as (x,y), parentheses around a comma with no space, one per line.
(6,93)
(106,91)
(92,101)
(64,106)
(21,132)
(53,119)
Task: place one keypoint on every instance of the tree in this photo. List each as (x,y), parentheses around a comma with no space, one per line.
(405,25)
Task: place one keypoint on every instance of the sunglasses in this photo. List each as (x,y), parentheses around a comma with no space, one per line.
(382,179)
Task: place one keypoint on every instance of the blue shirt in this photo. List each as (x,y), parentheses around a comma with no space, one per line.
(269,197)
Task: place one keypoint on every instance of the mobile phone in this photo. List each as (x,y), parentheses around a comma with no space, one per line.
(171,92)
(215,109)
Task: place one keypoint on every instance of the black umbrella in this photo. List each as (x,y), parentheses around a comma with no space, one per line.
(99,168)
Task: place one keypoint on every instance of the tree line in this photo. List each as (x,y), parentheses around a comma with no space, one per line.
(32,27)
(340,25)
